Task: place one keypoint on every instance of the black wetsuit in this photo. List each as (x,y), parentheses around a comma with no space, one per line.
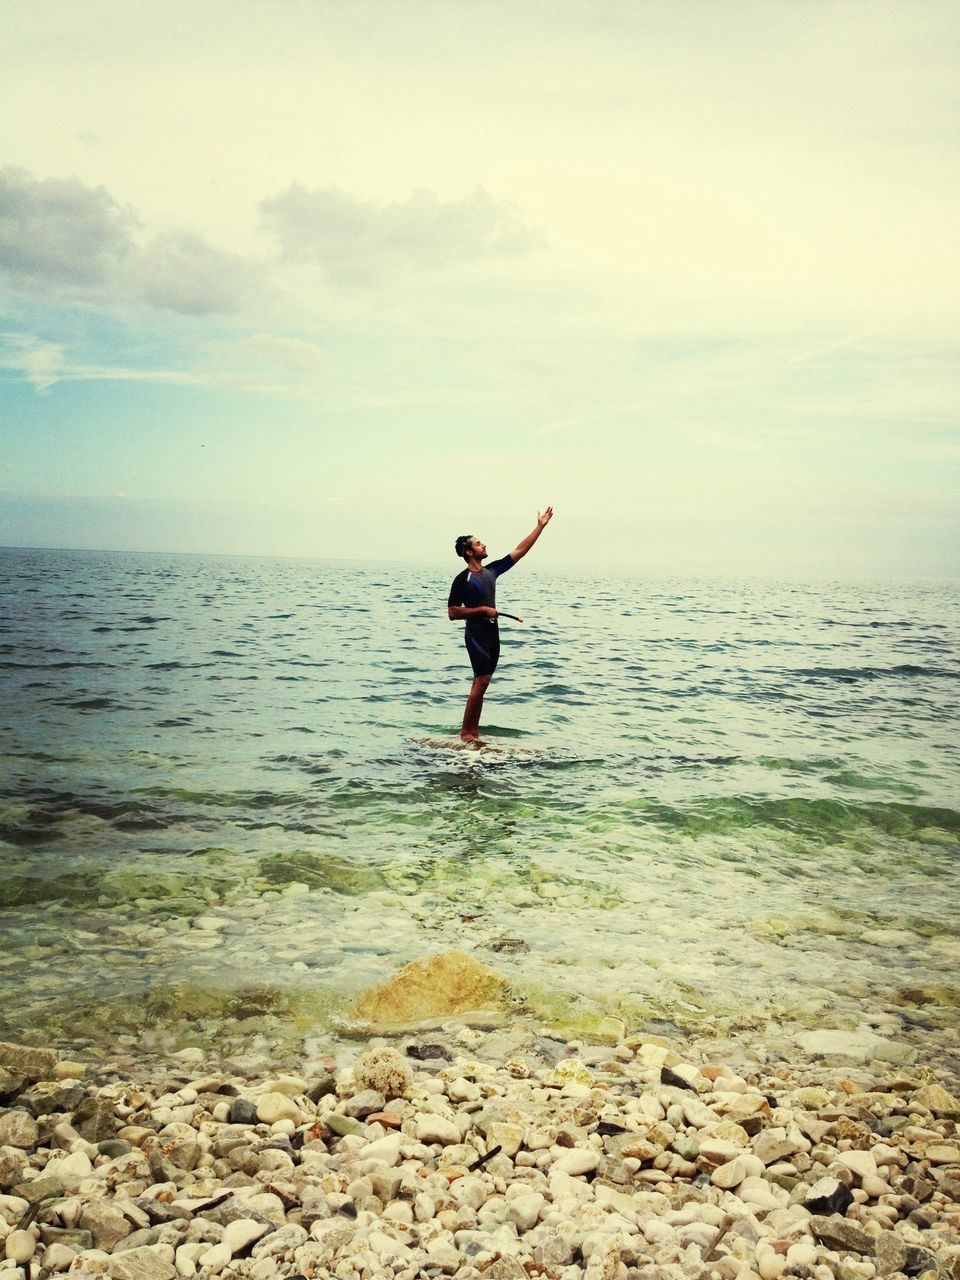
(482,636)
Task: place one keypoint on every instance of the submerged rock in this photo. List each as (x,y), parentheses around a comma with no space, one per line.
(436,986)
(34,1064)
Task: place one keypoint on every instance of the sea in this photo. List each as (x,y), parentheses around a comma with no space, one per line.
(232,799)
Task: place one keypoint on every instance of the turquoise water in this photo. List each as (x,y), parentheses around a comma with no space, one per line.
(722,809)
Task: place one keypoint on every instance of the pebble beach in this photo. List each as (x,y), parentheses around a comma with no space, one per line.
(472,1151)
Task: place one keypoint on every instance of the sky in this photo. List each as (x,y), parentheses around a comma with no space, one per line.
(348,278)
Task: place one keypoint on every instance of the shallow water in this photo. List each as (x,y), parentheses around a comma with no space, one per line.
(225,800)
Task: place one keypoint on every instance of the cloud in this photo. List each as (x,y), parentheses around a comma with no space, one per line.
(291,355)
(39,363)
(60,231)
(181,272)
(44,364)
(357,240)
(61,237)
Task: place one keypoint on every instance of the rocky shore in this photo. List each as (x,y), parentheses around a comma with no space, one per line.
(462,1154)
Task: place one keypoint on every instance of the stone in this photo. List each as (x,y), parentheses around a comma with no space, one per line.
(861,1045)
(631,1146)
(364,1103)
(578,1161)
(72,1170)
(106,1224)
(272,1107)
(94,1120)
(525,1210)
(148,1263)
(837,1233)
(730,1175)
(35,1064)
(437,986)
(861,1163)
(114,1147)
(277,1242)
(341,1125)
(772,1145)
(75,1240)
(52,1096)
(39,1189)
(137,1239)
(243,1111)
(323,1087)
(11,1167)
(936,1099)
(20,1246)
(920,1261)
(890,1252)
(385,1184)
(761,1194)
(716,1151)
(57,1257)
(241,1233)
(942,1153)
(386,1149)
(508,1137)
(18,1129)
(829,1195)
(432,1128)
(213,1260)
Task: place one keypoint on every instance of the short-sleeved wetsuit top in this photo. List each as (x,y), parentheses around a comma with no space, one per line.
(482,636)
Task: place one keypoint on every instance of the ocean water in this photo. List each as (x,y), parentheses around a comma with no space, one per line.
(722,810)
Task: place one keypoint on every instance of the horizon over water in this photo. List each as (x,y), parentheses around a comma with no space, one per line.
(721,809)
(576,568)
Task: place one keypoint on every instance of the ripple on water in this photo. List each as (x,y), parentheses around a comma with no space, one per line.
(698,803)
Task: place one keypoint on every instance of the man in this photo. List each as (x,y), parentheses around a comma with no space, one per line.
(473,598)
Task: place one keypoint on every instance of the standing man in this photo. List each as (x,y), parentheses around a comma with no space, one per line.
(473,597)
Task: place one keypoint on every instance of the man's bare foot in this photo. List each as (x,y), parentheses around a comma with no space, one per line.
(470,737)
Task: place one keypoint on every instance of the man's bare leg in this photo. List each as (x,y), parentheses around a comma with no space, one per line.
(470,729)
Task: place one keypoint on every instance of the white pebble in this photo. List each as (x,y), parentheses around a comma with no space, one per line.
(577,1161)
(19,1245)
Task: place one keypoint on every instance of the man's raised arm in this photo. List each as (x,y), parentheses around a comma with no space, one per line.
(522,547)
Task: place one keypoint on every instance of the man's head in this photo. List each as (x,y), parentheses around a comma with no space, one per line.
(469,547)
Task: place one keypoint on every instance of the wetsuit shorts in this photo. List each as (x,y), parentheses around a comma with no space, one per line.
(483,646)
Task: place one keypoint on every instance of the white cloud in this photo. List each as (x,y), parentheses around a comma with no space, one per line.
(358,240)
(60,231)
(65,241)
(44,364)
(39,363)
(181,272)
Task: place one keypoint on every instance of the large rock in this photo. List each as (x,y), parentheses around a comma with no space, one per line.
(838,1233)
(434,987)
(937,1100)
(18,1129)
(829,1195)
(861,1045)
(150,1262)
(11,1168)
(272,1107)
(52,1096)
(106,1224)
(35,1064)
(890,1253)
(94,1120)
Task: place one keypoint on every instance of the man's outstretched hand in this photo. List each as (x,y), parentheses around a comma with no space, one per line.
(544,518)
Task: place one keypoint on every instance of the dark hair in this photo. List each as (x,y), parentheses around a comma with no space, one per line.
(462,544)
